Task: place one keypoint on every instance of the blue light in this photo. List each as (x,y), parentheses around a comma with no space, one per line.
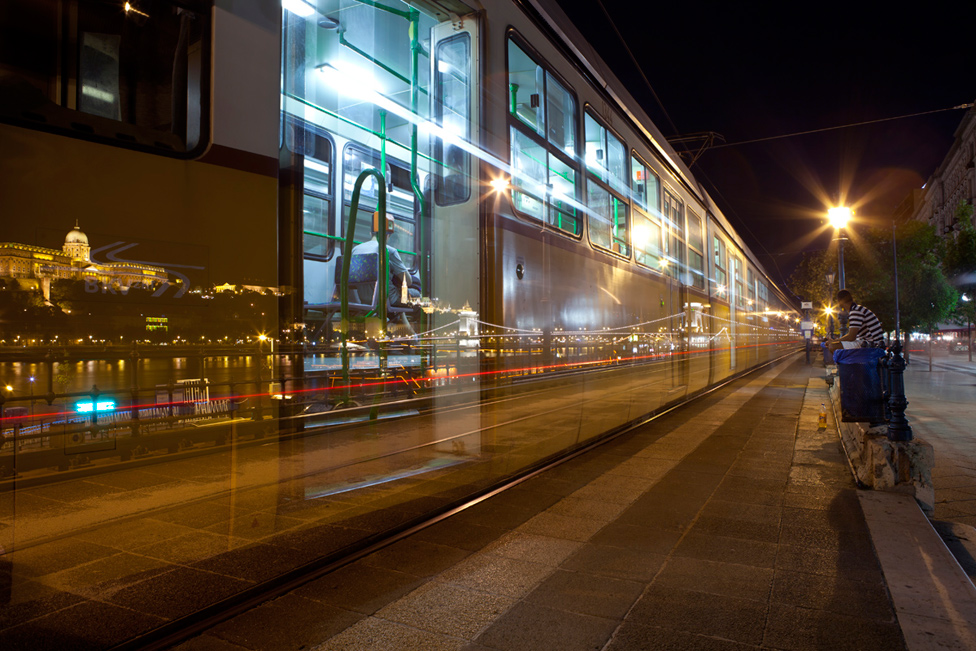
(88,407)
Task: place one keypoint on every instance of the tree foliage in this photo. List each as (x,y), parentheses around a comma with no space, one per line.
(926,296)
(960,266)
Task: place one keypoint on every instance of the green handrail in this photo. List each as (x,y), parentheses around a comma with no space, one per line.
(382,277)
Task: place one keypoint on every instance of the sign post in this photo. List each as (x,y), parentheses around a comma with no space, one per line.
(807,326)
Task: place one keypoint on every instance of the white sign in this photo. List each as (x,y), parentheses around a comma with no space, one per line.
(806,325)
(806,305)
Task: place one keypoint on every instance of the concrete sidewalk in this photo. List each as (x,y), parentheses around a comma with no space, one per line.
(942,410)
(732,523)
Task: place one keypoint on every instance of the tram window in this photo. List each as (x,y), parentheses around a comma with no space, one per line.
(645,186)
(525,88)
(751,286)
(399,202)
(452,111)
(696,259)
(606,161)
(561,119)
(317,205)
(674,240)
(131,73)
(606,156)
(647,241)
(721,278)
(562,183)
(545,179)
(528,174)
(763,296)
(740,298)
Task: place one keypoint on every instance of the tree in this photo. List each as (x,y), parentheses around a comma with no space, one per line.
(926,296)
(960,265)
(809,280)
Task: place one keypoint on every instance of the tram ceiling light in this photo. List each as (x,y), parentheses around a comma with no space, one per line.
(839,216)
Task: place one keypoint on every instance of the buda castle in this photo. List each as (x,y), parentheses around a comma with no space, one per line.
(34,267)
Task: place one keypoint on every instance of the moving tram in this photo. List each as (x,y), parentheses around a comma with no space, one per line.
(212,163)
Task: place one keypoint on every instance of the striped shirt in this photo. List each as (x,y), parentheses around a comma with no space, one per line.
(867,324)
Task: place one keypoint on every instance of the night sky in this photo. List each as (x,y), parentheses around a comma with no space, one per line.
(752,72)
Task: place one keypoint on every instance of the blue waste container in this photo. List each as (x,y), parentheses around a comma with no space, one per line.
(861,389)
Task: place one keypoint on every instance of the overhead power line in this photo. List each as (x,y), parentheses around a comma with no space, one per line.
(841,126)
(637,65)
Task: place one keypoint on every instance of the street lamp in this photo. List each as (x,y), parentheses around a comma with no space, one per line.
(839,216)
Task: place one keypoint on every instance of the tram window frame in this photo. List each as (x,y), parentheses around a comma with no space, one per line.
(740,300)
(51,97)
(720,266)
(648,211)
(673,223)
(696,270)
(613,186)
(411,258)
(299,144)
(558,161)
(751,286)
(762,296)
(447,192)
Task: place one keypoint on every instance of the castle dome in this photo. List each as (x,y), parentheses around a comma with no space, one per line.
(76,236)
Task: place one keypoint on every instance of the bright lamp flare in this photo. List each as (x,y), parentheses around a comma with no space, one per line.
(839,216)
(500,184)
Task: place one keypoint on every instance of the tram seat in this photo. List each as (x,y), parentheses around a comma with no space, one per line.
(363,272)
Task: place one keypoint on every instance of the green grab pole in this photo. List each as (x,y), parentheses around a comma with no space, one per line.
(383,276)
(416,49)
(383,145)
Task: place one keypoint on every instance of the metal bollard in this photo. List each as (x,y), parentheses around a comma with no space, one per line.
(898,427)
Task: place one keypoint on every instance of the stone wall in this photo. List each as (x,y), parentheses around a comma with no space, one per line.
(880,464)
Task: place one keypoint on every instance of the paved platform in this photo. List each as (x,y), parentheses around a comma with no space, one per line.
(733,523)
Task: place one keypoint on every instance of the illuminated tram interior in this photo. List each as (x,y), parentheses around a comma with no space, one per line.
(205,379)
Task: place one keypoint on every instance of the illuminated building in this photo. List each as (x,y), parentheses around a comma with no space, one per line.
(952,183)
(34,267)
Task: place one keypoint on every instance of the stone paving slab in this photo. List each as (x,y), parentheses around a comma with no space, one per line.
(742,531)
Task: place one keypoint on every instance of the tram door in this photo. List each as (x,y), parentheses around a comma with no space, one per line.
(453,267)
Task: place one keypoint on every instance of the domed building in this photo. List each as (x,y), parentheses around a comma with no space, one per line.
(76,244)
(34,267)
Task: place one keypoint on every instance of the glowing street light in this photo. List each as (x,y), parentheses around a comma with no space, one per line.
(839,216)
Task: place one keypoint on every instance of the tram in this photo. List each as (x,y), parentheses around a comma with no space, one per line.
(189,180)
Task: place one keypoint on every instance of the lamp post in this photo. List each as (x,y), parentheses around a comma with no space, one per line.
(839,216)
(898,427)
(830,313)
(31,380)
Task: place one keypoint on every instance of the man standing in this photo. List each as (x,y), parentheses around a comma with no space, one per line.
(864,328)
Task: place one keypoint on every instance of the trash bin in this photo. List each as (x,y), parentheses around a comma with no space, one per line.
(861,391)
